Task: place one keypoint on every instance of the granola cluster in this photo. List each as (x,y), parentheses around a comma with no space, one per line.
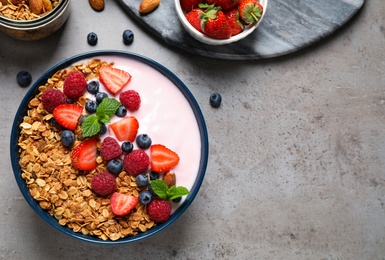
(61,189)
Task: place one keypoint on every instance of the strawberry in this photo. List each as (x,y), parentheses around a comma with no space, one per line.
(235,25)
(122,204)
(84,155)
(125,129)
(113,79)
(214,22)
(67,115)
(250,11)
(188,5)
(162,158)
(193,18)
(224,4)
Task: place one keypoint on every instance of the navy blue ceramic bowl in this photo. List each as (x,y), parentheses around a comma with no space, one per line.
(22,111)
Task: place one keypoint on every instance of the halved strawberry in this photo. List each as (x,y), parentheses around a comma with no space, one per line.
(162,158)
(113,79)
(122,204)
(67,115)
(84,155)
(125,129)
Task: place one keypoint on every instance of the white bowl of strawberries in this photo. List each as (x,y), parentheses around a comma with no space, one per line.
(218,22)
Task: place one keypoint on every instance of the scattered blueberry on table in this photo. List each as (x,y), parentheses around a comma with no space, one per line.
(215,100)
(92,38)
(24,78)
(128,37)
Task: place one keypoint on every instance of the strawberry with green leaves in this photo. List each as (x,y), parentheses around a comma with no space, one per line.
(193,18)
(250,11)
(235,25)
(214,22)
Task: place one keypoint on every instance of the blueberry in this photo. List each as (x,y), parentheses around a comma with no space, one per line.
(54,124)
(143,141)
(93,87)
(142,180)
(176,200)
(215,100)
(145,197)
(115,166)
(128,37)
(100,96)
(24,78)
(103,129)
(92,39)
(127,147)
(91,106)
(67,138)
(121,112)
(154,175)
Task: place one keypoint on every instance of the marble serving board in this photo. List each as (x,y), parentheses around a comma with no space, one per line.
(288,26)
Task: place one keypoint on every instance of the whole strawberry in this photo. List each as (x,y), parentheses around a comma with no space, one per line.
(75,85)
(103,183)
(188,5)
(215,22)
(193,18)
(250,11)
(235,25)
(224,4)
(159,210)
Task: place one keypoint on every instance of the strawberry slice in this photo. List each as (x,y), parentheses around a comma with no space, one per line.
(67,115)
(113,79)
(84,155)
(122,204)
(162,158)
(125,129)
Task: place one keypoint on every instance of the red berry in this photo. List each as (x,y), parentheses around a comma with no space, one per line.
(130,99)
(162,158)
(110,149)
(84,155)
(67,115)
(125,129)
(136,162)
(188,5)
(103,183)
(159,210)
(122,204)
(51,98)
(193,18)
(113,79)
(75,85)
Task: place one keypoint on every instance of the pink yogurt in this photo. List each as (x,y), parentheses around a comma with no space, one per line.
(165,115)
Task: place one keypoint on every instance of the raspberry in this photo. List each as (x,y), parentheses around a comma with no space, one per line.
(103,183)
(51,98)
(110,149)
(75,85)
(159,210)
(136,162)
(130,99)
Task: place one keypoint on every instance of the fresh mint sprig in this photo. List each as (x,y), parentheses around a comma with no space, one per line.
(105,110)
(164,192)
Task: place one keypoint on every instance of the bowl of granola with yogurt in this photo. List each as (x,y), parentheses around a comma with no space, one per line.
(109,147)
(32,19)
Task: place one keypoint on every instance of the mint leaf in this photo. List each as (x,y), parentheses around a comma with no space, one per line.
(160,188)
(177,191)
(91,126)
(107,108)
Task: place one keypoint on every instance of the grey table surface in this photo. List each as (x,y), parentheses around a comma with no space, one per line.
(296,167)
